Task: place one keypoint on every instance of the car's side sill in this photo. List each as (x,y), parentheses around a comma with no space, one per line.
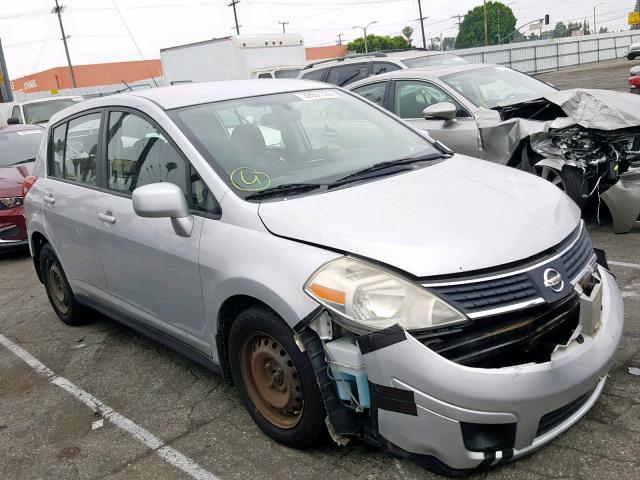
(152,333)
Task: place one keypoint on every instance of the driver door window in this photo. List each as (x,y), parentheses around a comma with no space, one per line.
(413,96)
(138,154)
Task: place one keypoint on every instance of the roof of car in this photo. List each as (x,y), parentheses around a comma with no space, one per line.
(19,128)
(48,99)
(377,57)
(183,95)
(430,72)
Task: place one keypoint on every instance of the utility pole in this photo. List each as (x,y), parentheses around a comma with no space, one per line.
(6,95)
(235,14)
(283,23)
(340,38)
(424,41)
(486,24)
(58,10)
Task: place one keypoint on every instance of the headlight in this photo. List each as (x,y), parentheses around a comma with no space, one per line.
(11,202)
(369,298)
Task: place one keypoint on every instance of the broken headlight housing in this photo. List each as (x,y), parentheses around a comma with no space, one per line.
(368,298)
(11,202)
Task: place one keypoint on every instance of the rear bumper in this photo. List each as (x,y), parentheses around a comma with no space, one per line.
(523,399)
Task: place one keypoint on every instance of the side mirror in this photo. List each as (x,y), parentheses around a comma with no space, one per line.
(13,121)
(164,200)
(441,111)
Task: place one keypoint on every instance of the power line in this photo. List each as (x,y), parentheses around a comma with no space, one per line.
(134,42)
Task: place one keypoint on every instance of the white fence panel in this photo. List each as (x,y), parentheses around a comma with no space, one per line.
(555,54)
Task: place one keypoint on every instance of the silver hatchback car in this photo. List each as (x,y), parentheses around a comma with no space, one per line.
(343,270)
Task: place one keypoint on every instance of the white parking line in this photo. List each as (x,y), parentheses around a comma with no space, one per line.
(154,443)
(625,265)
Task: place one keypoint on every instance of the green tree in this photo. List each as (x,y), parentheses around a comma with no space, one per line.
(407,32)
(378,42)
(501,23)
(560,31)
(573,27)
(603,30)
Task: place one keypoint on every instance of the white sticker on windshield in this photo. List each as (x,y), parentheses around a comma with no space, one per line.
(316,95)
(28,132)
(502,69)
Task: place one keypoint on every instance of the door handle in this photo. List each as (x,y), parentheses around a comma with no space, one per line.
(107,217)
(49,199)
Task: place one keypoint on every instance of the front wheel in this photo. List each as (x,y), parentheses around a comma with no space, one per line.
(570,180)
(276,381)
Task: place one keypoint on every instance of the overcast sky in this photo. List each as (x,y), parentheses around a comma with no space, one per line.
(31,35)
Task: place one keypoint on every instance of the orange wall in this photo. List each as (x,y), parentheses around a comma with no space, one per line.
(320,53)
(88,75)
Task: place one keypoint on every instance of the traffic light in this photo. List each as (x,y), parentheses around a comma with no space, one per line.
(546,19)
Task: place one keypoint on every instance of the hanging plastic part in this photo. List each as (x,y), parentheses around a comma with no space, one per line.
(344,420)
(323,326)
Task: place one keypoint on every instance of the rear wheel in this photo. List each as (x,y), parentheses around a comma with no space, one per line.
(570,180)
(275,380)
(58,289)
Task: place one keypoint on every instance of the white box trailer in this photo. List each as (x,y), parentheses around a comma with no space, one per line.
(233,58)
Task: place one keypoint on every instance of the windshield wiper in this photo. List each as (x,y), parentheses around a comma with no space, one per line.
(284,189)
(388,167)
(28,160)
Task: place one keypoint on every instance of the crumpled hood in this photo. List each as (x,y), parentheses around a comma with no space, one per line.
(460,215)
(592,108)
(589,108)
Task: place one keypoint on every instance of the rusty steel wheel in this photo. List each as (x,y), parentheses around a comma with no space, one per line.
(271,379)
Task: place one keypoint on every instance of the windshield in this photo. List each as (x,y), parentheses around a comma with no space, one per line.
(16,147)
(41,112)
(429,60)
(488,87)
(313,136)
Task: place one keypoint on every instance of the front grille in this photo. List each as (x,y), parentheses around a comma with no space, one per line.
(474,296)
(552,419)
(575,259)
(514,338)
(489,294)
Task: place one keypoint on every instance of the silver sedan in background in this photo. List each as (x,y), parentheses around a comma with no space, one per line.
(583,141)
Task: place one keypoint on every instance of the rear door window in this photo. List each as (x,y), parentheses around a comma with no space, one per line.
(346,74)
(80,149)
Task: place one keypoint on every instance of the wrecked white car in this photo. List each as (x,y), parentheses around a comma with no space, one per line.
(583,141)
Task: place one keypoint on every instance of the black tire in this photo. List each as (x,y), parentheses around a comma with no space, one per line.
(245,338)
(58,289)
(569,179)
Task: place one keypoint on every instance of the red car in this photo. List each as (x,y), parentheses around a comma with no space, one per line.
(634,84)
(19,145)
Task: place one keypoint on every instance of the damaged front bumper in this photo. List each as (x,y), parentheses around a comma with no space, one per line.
(430,409)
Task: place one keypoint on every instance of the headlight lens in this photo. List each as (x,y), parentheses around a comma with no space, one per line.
(11,202)
(369,298)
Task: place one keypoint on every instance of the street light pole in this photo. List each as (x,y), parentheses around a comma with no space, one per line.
(366,44)
(594,17)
